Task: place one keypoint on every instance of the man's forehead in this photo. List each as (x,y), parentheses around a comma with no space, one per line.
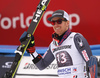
(56,18)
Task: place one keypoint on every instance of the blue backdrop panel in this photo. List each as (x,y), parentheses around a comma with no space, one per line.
(6,50)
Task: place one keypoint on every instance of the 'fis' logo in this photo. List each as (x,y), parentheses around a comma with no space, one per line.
(39,11)
(74,69)
(7,65)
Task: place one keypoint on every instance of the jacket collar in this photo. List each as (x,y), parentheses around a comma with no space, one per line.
(57,40)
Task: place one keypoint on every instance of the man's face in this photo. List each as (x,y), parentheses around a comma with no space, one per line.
(60,28)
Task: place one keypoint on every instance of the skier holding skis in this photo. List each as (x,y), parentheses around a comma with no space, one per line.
(70,49)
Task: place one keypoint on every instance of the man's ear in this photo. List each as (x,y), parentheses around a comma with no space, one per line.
(67,23)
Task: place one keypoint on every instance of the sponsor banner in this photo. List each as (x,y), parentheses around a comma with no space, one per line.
(15,18)
(5,64)
(28,67)
(28,70)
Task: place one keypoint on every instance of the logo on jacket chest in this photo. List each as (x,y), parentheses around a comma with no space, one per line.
(62,47)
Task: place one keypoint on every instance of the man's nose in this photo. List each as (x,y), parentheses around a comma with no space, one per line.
(56,24)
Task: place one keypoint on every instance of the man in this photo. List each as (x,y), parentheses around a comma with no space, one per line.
(71,50)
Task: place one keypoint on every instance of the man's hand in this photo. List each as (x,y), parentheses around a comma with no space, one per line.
(30,49)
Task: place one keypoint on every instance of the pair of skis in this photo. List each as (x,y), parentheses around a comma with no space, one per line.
(22,48)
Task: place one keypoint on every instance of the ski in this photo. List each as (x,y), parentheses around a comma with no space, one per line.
(22,48)
(93,67)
